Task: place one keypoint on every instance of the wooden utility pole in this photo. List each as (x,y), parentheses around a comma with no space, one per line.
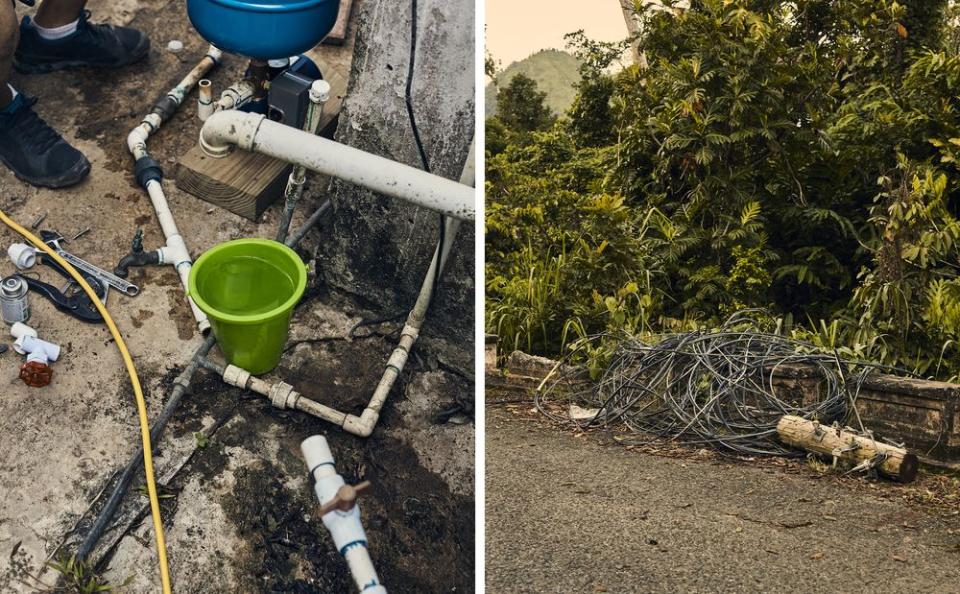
(633,28)
(852,448)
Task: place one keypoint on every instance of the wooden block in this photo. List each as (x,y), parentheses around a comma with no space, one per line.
(242,182)
(338,35)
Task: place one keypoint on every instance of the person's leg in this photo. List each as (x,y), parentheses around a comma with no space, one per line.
(9,35)
(61,37)
(28,146)
(57,13)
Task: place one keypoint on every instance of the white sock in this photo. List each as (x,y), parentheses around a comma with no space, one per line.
(56,32)
(13,97)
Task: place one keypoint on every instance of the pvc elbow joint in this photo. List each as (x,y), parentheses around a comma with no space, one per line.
(225,130)
(363,425)
(136,138)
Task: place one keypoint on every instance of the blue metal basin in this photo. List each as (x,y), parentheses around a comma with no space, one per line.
(263,29)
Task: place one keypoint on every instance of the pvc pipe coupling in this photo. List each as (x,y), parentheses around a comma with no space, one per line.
(22,255)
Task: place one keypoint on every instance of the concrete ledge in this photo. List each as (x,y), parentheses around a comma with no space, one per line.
(921,413)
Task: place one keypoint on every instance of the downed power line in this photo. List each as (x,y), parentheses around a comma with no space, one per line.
(712,389)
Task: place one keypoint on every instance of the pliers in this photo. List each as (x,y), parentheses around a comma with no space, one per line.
(70,300)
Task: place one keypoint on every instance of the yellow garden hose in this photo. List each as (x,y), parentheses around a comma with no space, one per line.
(137,391)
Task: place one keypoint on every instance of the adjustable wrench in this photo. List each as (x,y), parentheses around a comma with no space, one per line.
(53,240)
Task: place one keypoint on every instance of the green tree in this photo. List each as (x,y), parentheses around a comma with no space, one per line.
(796,156)
(521,105)
(591,115)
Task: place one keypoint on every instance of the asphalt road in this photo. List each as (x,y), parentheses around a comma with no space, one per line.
(569,514)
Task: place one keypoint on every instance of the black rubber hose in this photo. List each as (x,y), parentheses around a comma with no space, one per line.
(408,96)
(308,224)
(123,484)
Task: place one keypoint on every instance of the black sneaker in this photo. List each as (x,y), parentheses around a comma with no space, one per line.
(35,152)
(97,46)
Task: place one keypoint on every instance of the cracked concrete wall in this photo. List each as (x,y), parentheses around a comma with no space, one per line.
(378,248)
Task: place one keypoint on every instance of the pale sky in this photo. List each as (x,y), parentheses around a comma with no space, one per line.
(518,28)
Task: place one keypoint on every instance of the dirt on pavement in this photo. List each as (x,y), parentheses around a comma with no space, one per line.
(567,513)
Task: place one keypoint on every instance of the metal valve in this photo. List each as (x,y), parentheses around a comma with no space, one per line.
(36,374)
(345,499)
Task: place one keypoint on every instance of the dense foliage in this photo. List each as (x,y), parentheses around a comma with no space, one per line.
(800,157)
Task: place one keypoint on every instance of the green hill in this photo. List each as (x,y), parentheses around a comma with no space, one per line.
(555,71)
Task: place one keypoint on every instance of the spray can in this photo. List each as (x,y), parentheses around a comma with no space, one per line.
(13,300)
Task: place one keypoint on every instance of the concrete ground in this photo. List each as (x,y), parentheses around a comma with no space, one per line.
(568,513)
(237,505)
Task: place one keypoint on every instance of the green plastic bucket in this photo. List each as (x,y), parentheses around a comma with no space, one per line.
(248,289)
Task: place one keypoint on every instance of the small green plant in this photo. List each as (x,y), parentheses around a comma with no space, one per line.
(79,577)
(201,439)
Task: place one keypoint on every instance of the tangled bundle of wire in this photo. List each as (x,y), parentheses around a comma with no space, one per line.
(712,389)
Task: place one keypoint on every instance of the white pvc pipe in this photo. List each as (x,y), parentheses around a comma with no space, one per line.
(253,132)
(364,573)
(175,252)
(363,425)
(282,394)
(319,95)
(204,100)
(345,527)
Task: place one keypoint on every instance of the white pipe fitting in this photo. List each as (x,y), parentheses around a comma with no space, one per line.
(22,255)
(235,95)
(235,376)
(20,329)
(205,106)
(345,527)
(320,91)
(253,132)
(37,350)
